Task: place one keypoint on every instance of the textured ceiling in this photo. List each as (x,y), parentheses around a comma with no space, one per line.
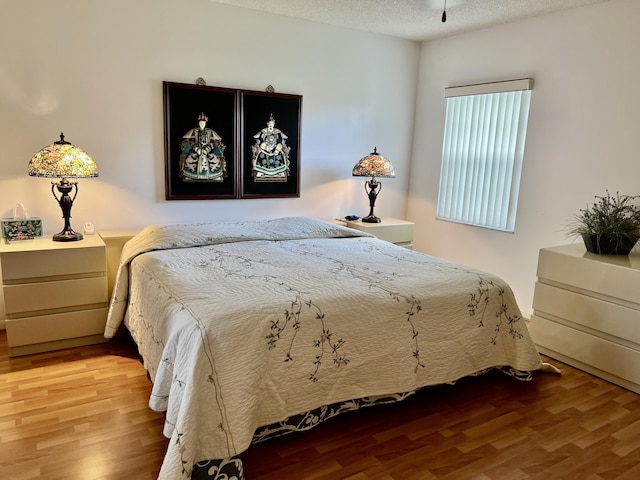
(411,19)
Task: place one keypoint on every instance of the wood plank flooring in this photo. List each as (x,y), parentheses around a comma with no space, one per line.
(82,414)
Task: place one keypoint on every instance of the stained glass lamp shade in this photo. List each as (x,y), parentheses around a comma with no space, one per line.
(63,160)
(373,165)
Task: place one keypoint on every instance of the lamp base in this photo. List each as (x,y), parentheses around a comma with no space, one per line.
(67,236)
(371,219)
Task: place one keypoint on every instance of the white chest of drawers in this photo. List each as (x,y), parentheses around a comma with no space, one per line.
(587,312)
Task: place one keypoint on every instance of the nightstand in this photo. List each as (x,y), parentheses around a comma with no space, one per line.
(55,293)
(392,230)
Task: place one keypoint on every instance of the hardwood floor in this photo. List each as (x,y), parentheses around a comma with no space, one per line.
(82,414)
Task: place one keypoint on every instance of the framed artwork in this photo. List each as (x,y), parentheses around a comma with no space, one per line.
(270,144)
(200,142)
(223,143)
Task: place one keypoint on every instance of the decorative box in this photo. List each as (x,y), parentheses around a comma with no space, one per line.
(21,228)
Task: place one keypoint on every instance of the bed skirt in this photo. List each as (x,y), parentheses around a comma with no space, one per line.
(232,468)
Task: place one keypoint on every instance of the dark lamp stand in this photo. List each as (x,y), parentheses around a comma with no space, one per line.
(66,202)
(370,186)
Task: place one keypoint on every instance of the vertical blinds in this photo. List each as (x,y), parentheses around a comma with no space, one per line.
(482,153)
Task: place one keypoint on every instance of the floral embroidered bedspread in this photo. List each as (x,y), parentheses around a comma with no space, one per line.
(241,325)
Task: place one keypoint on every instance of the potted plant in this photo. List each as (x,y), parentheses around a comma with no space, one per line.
(610,226)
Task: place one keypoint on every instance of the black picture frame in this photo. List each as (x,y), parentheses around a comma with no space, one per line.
(183,106)
(257,109)
(257,133)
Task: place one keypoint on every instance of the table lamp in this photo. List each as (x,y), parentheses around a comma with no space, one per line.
(373,165)
(63,160)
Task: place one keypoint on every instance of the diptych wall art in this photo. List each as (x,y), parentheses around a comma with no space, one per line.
(223,143)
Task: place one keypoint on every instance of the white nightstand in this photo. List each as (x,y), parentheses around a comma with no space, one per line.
(55,293)
(392,230)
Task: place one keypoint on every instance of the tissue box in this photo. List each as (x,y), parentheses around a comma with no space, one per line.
(21,227)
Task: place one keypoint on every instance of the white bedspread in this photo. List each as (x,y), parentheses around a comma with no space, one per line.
(244,324)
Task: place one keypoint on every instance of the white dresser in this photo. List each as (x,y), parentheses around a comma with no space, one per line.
(586,312)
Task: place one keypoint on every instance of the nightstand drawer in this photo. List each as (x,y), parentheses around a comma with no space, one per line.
(25,265)
(391,230)
(43,296)
(60,326)
(396,234)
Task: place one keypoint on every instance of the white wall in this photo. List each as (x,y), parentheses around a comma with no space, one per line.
(94,70)
(582,133)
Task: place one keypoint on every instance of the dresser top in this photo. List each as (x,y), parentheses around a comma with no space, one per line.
(578,250)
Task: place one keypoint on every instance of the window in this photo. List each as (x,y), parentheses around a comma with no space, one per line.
(482,152)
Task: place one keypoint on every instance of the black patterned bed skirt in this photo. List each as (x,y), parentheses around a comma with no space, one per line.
(232,469)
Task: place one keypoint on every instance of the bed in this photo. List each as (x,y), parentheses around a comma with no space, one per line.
(253,329)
